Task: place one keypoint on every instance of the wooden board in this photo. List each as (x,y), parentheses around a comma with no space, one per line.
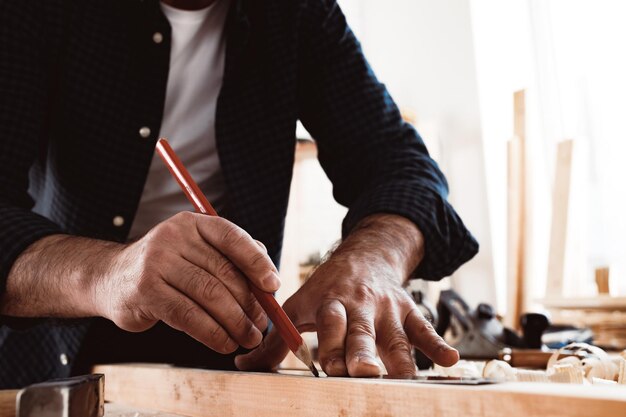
(516,213)
(8,397)
(600,302)
(560,213)
(119,410)
(602,280)
(7,403)
(203,393)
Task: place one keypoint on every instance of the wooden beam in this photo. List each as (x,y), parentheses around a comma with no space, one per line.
(602,281)
(203,393)
(560,213)
(516,213)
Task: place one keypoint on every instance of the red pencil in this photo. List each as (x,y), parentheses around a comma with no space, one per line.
(279,318)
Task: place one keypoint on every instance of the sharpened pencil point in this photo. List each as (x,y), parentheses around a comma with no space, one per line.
(314,370)
(304,355)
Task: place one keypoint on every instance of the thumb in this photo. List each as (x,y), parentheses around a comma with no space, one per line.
(266,356)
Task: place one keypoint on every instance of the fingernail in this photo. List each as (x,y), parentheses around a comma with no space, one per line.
(231,346)
(271,282)
(367,360)
(255,336)
(238,361)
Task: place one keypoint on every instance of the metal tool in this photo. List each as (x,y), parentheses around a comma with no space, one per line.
(445,380)
(81,396)
(479,334)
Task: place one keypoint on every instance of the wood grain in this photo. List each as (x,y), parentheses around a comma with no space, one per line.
(203,393)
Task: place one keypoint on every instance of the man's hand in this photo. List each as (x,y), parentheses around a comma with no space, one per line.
(356,303)
(189,272)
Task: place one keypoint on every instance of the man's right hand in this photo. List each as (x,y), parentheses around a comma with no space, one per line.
(190,271)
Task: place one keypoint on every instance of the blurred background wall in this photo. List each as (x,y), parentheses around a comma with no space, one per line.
(453,66)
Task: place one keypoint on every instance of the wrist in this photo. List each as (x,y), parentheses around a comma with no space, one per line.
(57,276)
(82,265)
(388,238)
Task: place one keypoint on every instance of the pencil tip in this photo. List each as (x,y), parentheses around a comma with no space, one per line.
(304,355)
(314,370)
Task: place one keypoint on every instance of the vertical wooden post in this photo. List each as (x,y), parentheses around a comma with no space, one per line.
(560,213)
(516,212)
(602,281)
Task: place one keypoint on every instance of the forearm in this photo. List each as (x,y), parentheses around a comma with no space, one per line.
(57,276)
(387,238)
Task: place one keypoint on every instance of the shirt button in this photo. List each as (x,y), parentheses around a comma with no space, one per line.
(144,132)
(63,358)
(157,37)
(118,221)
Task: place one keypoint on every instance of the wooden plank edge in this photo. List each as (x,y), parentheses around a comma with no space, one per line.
(201,393)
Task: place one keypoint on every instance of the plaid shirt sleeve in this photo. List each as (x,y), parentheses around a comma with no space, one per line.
(376,162)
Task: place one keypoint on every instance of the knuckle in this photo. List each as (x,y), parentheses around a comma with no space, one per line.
(331,314)
(250,303)
(258,259)
(227,270)
(327,357)
(232,236)
(398,344)
(187,315)
(361,352)
(424,326)
(179,313)
(165,230)
(360,328)
(363,292)
(219,338)
(209,287)
(185,217)
(151,251)
(241,322)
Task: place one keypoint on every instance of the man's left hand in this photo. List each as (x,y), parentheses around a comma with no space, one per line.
(356,303)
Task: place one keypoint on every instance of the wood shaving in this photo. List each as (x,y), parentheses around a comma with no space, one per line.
(596,368)
(621,379)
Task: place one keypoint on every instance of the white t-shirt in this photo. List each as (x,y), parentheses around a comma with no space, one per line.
(195,79)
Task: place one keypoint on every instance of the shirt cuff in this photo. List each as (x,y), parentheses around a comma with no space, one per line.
(448,243)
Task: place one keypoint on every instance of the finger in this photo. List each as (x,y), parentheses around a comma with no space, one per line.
(395,349)
(267,356)
(181,313)
(422,335)
(238,246)
(212,261)
(332,327)
(361,343)
(210,293)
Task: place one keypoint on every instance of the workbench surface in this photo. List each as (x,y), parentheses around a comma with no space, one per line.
(203,393)
(118,410)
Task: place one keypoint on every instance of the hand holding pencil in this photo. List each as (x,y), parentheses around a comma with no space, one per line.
(279,318)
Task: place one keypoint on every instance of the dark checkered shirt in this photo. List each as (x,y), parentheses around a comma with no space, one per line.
(80,78)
